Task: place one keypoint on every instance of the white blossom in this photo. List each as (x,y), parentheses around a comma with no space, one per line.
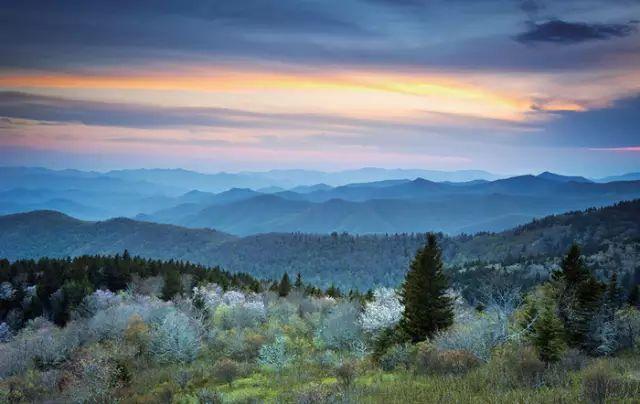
(383,312)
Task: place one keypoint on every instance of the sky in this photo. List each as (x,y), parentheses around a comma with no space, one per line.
(509,86)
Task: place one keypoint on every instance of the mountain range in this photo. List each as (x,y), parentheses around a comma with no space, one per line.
(261,202)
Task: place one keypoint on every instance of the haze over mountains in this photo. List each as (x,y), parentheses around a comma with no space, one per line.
(364,201)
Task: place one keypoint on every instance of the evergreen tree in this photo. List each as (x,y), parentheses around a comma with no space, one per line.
(580,295)
(298,284)
(548,335)
(572,268)
(333,291)
(634,297)
(285,286)
(427,308)
(172,283)
(614,293)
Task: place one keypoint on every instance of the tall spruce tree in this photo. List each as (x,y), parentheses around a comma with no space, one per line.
(427,308)
(548,335)
(285,285)
(580,295)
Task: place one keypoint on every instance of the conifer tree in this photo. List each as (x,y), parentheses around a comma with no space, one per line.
(580,295)
(172,283)
(634,297)
(614,293)
(298,284)
(427,308)
(548,335)
(285,286)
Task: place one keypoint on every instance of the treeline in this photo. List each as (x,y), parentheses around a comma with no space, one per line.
(53,288)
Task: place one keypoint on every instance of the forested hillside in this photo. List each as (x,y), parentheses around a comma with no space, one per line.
(609,236)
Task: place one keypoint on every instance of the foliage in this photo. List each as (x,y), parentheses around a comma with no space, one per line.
(384,311)
(427,308)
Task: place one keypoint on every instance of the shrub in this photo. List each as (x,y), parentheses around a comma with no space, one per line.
(346,373)
(572,359)
(206,396)
(175,339)
(340,330)
(479,335)
(41,344)
(137,334)
(519,366)
(456,362)
(600,383)
(397,356)
(314,393)
(226,370)
(5,333)
(274,356)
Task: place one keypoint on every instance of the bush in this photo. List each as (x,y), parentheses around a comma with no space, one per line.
(340,329)
(206,396)
(519,366)
(314,393)
(431,361)
(275,356)
(600,383)
(175,339)
(226,370)
(572,359)
(346,373)
(397,356)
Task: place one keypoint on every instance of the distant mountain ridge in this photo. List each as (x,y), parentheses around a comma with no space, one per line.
(386,205)
(402,206)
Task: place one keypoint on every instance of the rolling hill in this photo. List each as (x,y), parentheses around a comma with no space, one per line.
(349,260)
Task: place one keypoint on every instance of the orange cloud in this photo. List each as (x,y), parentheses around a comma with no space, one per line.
(356,93)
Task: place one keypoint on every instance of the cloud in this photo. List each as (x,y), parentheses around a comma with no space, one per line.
(563,32)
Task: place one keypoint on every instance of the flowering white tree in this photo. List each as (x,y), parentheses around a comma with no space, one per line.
(232,298)
(210,296)
(6,291)
(383,312)
(175,339)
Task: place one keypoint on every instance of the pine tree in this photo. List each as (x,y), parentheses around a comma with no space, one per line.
(579,298)
(285,285)
(614,293)
(573,270)
(548,333)
(172,283)
(427,308)
(298,284)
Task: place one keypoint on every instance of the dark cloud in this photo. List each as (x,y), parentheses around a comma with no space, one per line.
(613,126)
(563,32)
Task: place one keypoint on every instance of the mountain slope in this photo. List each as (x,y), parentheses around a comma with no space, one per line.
(53,234)
(348,260)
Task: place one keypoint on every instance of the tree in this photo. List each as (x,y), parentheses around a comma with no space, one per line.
(580,295)
(298,284)
(285,286)
(427,308)
(634,296)
(548,333)
(172,284)
(572,268)
(614,293)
